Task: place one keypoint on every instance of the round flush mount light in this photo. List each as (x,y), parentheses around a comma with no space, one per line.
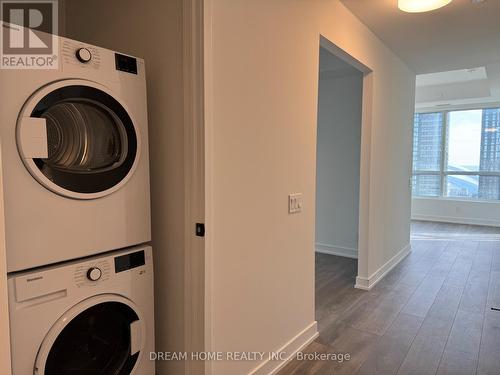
(418,6)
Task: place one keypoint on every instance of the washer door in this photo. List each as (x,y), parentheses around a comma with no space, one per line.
(102,335)
(77,139)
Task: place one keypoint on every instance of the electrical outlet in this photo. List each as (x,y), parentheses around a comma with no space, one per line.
(295,203)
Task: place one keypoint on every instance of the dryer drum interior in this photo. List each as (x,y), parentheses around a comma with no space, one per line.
(91,139)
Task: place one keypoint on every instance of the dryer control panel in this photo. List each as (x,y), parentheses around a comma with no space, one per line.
(80,54)
(126,63)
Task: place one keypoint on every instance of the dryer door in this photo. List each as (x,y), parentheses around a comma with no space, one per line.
(102,335)
(78,139)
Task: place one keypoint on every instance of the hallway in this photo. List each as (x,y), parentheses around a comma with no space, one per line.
(432,314)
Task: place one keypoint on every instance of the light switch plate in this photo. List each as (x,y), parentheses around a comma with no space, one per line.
(294,203)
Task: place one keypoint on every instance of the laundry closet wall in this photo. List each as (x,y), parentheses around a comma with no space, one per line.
(152,30)
(4,310)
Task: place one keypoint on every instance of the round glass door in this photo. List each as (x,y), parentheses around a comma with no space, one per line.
(97,341)
(78,141)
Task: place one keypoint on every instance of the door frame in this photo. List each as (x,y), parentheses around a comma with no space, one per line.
(194,182)
(365,157)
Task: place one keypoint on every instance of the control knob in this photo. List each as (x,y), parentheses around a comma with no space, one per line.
(94,273)
(83,55)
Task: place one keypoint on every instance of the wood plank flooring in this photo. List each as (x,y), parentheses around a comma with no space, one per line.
(432,314)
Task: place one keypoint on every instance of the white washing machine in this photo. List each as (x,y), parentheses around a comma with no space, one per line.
(74,145)
(88,317)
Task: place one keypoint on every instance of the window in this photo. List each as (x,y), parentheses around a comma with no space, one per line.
(456,154)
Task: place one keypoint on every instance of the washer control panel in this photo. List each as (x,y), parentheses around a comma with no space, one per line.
(91,273)
(94,273)
(130,261)
(80,277)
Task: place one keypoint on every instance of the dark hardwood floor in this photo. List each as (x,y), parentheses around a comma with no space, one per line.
(432,314)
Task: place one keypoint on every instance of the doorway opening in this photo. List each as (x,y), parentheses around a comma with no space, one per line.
(338,163)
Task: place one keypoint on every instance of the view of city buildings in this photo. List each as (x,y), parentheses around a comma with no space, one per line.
(489,186)
(457,154)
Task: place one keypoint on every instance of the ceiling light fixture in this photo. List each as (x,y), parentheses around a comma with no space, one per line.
(418,6)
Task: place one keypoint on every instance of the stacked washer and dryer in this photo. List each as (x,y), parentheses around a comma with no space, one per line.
(74,145)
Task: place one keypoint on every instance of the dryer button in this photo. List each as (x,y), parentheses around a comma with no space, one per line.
(83,55)
(94,274)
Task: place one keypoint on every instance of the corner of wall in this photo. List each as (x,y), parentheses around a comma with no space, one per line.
(291,348)
(367,283)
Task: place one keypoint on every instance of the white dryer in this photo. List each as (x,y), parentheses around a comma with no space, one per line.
(92,316)
(74,145)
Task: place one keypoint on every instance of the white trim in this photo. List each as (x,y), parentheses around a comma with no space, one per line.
(457,200)
(194,182)
(294,346)
(457,220)
(208,78)
(456,107)
(341,251)
(368,283)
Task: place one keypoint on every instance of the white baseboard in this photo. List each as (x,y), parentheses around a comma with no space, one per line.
(340,251)
(291,348)
(368,283)
(457,220)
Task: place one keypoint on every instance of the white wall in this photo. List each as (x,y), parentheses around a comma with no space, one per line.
(456,211)
(338,158)
(153,30)
(262,88)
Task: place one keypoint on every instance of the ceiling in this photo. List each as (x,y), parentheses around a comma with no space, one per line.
(459,36)
(476,87)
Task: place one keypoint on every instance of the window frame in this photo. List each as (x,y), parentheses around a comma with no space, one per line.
(443,173)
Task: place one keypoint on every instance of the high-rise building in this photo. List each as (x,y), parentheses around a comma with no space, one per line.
(427,138)
(489,186)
